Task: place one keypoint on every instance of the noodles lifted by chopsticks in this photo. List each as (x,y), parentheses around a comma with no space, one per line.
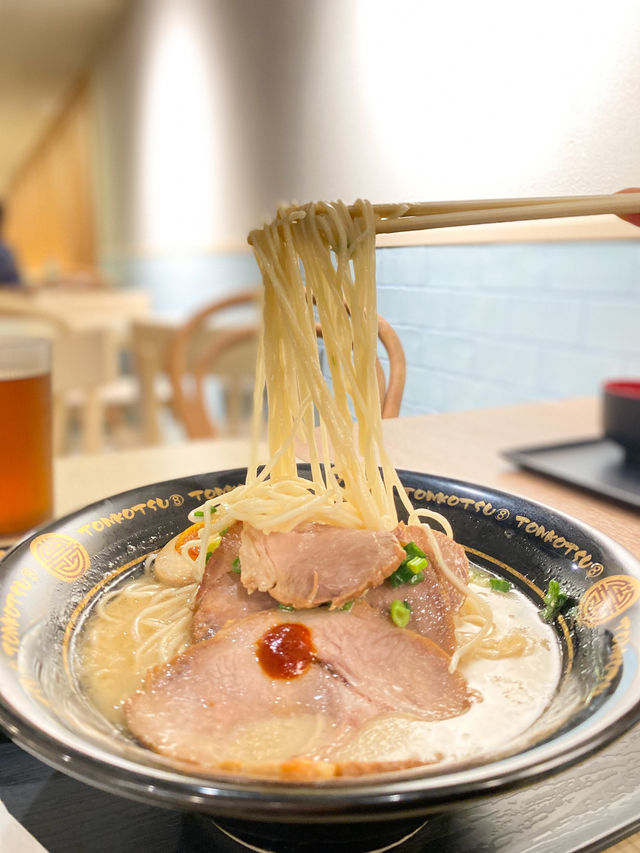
(318,266)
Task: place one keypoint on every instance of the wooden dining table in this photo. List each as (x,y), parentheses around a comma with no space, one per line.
(588,807)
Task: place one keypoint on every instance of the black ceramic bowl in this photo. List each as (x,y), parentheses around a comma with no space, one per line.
(621,415)
(50,582)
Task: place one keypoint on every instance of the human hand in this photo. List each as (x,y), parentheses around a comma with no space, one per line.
(633,218)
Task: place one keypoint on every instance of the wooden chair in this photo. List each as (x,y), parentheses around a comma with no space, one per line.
(390,388)
(209,344)
(391,396)
(231,353)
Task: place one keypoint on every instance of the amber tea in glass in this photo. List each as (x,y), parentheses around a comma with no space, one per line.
(26,478)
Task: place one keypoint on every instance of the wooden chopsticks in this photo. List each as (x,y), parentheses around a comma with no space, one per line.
(391,218)
(421,216)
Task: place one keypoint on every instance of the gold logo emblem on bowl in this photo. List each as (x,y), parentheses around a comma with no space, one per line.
(63,556)
(607,599)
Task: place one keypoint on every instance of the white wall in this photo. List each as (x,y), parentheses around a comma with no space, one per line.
(211,111)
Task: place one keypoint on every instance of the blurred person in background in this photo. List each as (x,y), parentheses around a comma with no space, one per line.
(9,273)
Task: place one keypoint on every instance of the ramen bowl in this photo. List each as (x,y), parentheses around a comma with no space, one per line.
(50,583)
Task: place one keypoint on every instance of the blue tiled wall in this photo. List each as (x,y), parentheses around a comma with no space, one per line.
(491,324)
(481,325)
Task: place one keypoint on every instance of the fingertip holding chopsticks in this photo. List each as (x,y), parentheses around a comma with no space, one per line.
(422,216)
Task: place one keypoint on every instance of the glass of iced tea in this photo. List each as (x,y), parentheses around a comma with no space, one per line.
(26,468)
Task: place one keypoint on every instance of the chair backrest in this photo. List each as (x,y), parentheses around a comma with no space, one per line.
(390,388)
(391,392)
(214,341)
(230,352)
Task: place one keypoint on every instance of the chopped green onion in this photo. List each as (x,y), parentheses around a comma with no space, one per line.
(285,607)
(199,513)
(235,566)
(554,601)
(410,570)
(417,564)
(400,613)
(401,575)
(346,606)
(499,584)
(412,550)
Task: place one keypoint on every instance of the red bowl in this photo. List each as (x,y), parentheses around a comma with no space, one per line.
(621,415)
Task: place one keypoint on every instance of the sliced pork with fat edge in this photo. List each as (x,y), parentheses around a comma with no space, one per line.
(215,706)
(317,563)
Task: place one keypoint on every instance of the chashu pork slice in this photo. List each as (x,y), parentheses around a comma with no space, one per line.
(219,704)
(221,596)
(396,669)
(430,600)
(453,554)
(317,563)
(431,613)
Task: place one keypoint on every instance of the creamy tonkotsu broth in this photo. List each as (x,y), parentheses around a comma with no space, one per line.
(138,625)
(127,635)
